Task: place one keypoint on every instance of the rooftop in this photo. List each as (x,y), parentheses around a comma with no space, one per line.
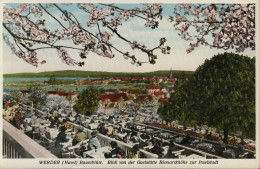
(114,97)
(153,86)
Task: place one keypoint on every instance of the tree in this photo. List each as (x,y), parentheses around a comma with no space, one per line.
(177,107)
(218,26)
(220,94)
(37,96)
(11,99)
(58,101)
(16,95)
(182,77)
(87,101)
(28,29)
(165,113)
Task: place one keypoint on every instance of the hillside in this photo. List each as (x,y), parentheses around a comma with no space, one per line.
(77,73)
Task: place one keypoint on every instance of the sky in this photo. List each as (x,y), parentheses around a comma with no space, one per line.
(132,29)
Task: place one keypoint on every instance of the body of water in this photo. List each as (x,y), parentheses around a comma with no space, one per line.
(66,88)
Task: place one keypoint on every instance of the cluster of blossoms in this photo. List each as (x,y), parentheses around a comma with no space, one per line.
(239,29)
(179,18)
(17,10)
(33,9)
(106,36)
(31,30)
(65,57)
(192,47)
(210,13)
(95,14)
(115,22)
(155,7)
(76,34)
(133,59)
(196,11)
(103,52)
(134,45)
(218,26)
(186,7)
(148,13)
(152,23)
(124,15)
(126,55)
(36,11)
(29,56)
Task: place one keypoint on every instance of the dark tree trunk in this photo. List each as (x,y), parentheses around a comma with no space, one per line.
(225,140)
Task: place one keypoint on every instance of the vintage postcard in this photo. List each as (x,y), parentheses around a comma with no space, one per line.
(129,84)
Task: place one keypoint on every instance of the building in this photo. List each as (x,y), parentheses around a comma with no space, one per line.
(135,91)
(110,91)
(116,79)
(112,100)
(145,97)
(124,90)
(159,93)
(153,88)
(61,93)
(164,99)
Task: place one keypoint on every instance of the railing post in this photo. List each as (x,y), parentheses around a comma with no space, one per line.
(14,153)
(9,150)
(3,146)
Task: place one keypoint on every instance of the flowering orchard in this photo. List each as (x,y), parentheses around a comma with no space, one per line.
(27,29)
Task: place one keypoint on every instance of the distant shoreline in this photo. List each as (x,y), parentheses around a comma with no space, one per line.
(76,73)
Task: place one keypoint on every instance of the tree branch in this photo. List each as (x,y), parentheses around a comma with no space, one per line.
(52,16)
(19,37)
(116,7)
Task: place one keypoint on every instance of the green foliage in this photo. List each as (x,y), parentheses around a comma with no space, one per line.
(8,100)
(220,94)
(177,106)
(54,81)
(87,101)
(101,90)
(164,112)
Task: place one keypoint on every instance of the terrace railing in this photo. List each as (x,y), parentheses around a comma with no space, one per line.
(18,145)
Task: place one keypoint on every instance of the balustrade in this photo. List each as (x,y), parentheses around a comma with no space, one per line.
(18,145)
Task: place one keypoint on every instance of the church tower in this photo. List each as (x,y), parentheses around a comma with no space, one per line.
(171,74)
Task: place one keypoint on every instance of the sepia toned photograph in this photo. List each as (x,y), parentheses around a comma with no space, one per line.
(103,83)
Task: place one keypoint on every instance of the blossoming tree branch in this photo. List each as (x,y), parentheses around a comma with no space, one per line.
(216,26)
